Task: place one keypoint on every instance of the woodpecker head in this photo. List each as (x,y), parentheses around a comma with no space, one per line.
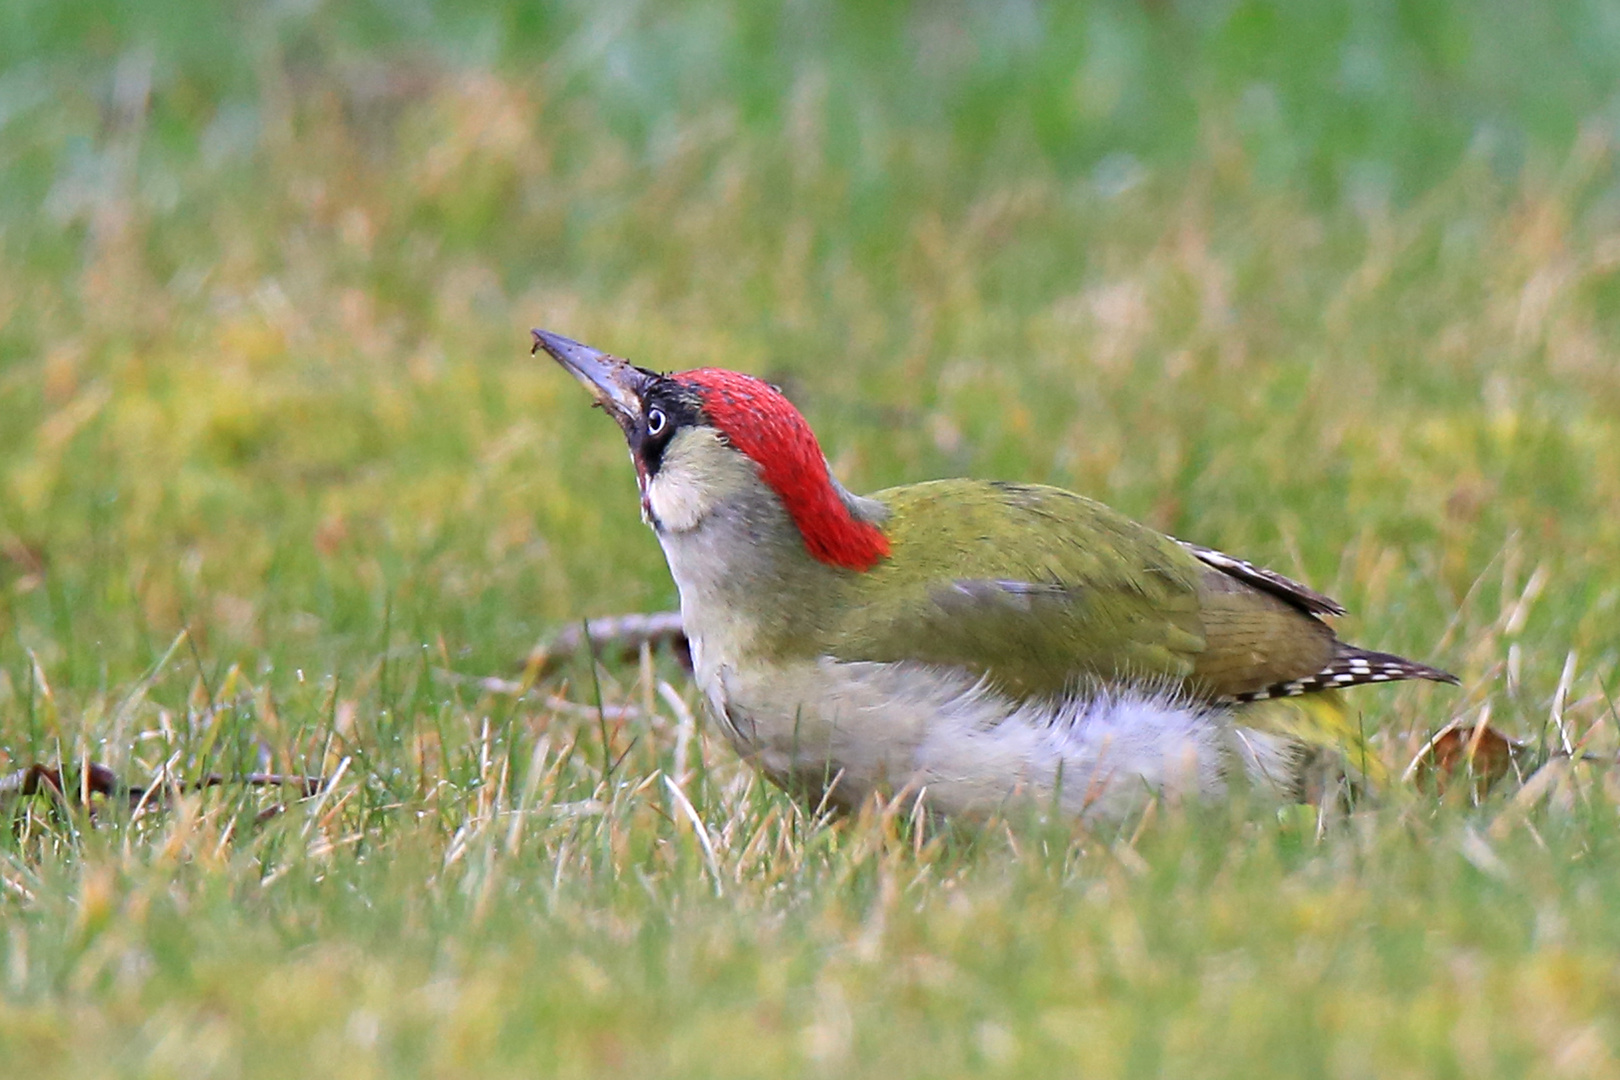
(704,437)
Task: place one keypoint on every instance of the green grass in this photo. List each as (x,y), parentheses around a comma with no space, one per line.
(1332,286)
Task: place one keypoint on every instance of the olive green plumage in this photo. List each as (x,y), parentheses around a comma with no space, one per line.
(1036,588)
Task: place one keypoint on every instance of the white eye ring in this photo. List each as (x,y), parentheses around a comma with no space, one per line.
(656,422)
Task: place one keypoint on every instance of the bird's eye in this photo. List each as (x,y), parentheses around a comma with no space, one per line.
(656,422)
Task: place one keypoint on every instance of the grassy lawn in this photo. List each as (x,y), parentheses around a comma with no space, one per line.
(1335,287)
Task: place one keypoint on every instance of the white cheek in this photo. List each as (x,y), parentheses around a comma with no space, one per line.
(698,474)
(676,506)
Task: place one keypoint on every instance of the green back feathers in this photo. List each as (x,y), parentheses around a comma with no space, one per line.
(1032,587)
(1038,589)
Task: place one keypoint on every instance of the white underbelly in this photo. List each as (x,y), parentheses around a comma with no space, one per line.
(968,750)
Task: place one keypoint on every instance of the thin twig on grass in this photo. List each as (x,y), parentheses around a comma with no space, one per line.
(97,779)
(621,636)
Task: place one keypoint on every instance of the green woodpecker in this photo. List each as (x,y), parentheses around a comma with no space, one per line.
(968,643)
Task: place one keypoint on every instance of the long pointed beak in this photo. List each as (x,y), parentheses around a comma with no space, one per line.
(615,384)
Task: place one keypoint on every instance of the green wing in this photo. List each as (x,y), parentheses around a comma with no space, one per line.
(1035,589)
(1032,587)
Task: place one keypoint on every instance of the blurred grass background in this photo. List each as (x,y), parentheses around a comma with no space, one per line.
(1332,286)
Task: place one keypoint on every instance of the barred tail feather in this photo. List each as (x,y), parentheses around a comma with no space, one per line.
(1350,666)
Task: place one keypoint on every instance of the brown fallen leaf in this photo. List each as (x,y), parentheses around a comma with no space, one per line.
(1468,751)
